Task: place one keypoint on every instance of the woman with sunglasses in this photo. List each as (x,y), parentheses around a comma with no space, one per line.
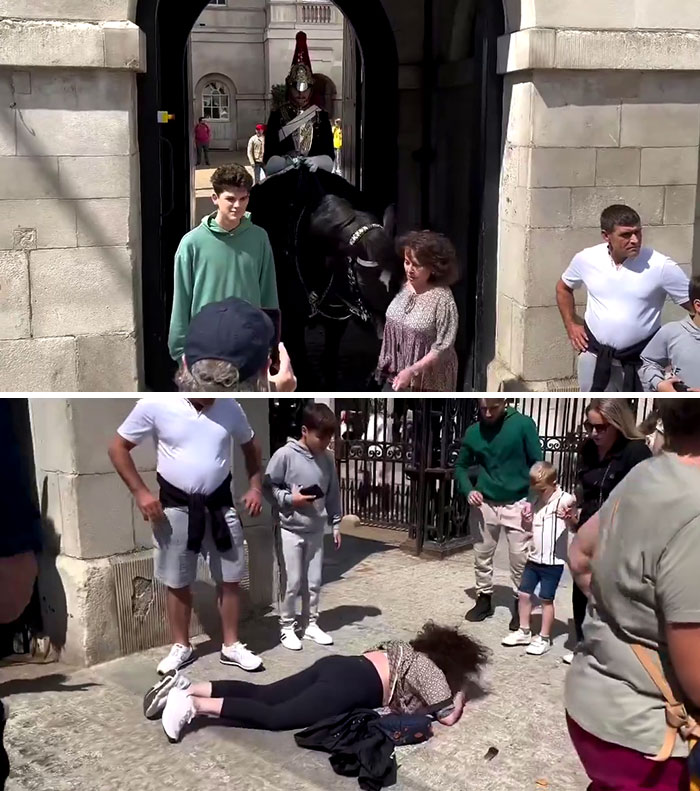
(421,322)
(614,446)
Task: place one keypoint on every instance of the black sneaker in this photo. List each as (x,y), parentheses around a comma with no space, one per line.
(482,610)
(515,617)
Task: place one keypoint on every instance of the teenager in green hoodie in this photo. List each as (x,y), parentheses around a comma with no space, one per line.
(226,256)
(504,444)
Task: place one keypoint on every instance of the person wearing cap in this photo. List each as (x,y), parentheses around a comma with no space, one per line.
(228,349)
(256,152)
(299,128)
(194,511)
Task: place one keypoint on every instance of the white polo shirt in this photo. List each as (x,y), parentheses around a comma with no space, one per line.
(550,535)
(624,303)
(194,448)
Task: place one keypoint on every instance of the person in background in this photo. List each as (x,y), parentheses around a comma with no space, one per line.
(421,322)
(676,346)
(637,559)
(256,152)
(627,286)
(202,138)
(225,256)
(229,349)
(503,444)
(545,521)
(614,446)
(653,429)
(337,145)
(292,474)
(194,513)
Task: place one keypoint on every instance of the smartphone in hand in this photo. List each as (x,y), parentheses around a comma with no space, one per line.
(314,491)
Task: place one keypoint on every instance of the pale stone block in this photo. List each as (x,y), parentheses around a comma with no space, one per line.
(70,9)
(105,518)
(550,208)
(670,165)
(679,14)
(617,167)
(29,177)
(526,50)
(510,168)
(103,222)
(82,291)
(562,167)
(94,177)
(504,323)
(588,203)
(38,364)
(125,46)
(680,205)
(512,261)
(53,220)
(51,44)
(660,125)
(596,14)
(14,295)
(518,107)
(143,529)
(556,123)
(541,347)
(53,435)
(8,117)
(549,253)
(107,363)
(515,205)
(95,422)
(75,133)
(74,89)
(21,82)
(675,241)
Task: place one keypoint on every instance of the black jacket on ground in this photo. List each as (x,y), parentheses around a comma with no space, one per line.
(598,477)
(357,747)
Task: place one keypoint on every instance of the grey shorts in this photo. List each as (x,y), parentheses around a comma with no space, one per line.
(176,567)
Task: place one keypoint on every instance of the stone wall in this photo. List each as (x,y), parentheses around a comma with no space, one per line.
(91,522)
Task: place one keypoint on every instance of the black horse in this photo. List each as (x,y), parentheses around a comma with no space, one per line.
(334,261)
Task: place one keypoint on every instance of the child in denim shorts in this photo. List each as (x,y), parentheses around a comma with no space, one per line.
(547,518)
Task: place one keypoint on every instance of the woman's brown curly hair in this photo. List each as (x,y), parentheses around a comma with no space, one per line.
(434,251)
(457,655)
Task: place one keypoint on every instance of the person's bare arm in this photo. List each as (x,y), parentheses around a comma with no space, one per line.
(684,649)
(252,453)
(573,324)
(456,715)
(582,552)
(120,456)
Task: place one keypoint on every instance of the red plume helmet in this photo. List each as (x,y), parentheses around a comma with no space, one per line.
(301,75)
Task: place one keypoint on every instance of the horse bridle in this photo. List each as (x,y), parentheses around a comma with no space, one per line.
(360,232)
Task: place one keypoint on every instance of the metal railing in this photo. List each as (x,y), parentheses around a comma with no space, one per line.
(315,13)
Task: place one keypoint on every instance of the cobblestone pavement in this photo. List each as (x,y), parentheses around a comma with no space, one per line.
(78,730)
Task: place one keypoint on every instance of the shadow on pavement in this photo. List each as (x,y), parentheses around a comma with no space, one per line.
(51,683)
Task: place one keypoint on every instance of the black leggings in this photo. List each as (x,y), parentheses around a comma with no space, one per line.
(580,602)
(333,685)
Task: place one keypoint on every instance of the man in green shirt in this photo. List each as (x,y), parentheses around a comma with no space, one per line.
(504,445)
(226,256)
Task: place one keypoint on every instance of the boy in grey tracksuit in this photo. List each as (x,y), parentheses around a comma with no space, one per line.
(676,344)
(292,471)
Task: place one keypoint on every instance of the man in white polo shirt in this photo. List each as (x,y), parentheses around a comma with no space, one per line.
(627,287)
(194,512)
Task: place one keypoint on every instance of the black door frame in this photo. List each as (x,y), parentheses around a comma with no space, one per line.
(165,149)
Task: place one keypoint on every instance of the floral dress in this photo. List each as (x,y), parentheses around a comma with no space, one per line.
(415,325)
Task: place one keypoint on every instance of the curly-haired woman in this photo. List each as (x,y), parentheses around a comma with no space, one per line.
(421,322)
(407,677)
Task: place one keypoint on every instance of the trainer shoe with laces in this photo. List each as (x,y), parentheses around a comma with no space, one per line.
(179,711)
(179,656)
(518,637)
(314,632)
(539,645)
(481,610)
(157,695)
(289,639)
(239,655)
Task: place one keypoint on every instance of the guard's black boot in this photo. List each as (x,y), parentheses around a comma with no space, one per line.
(482,610)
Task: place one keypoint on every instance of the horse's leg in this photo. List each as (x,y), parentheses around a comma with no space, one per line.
(333,335)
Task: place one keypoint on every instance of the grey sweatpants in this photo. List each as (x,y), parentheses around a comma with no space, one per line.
(303,562)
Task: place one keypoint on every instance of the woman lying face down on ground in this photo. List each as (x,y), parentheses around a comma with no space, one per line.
(409,678)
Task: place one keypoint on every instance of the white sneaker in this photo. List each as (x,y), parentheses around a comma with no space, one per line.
(517,638)
(568,658)
(314,632)
(539,645)
(239,655)
(179,656)
(179,711)
(156,697)
(289,639)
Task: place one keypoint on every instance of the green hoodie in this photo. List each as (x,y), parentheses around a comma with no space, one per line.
(212,264)
(504,452)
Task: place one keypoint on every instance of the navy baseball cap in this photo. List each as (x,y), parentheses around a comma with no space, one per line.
(234,331)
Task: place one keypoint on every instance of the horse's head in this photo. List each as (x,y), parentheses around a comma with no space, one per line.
(358,236)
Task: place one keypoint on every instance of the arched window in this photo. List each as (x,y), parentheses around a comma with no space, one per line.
(215,102)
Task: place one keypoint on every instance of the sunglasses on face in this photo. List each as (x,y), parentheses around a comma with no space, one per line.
(599,428)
